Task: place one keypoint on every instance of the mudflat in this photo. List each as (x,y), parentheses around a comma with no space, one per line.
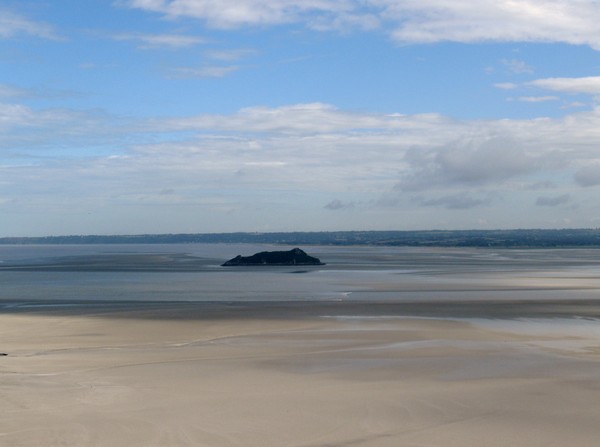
(506,373)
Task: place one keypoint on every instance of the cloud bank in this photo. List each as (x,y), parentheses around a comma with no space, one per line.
(297,157)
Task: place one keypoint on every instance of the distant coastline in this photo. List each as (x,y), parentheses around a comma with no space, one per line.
(521,238)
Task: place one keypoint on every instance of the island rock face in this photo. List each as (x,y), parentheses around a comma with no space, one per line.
(291,257)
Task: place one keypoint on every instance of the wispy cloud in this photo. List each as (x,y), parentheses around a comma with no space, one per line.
(209,71)
(553,201)
(230,55)
(10,91)
(236,13)
(516,66)
(309,118)
(535,99)
(151,41)
(574,105)
(336,205)
(460,201)
(39,130)
(345,22)
(13,25)
(506,85)
(589,175)
(589,84)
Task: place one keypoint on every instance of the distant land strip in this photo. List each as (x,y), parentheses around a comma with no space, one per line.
(520,238)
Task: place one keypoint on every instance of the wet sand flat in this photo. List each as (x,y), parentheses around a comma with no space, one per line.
(300,374)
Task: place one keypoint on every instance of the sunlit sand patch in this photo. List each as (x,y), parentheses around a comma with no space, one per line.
(567,335)
(576,335)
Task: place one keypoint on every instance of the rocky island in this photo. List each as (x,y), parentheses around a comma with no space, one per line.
(295,256)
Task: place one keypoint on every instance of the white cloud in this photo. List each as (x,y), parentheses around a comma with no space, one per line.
(430,21)
(588,85)
(235,13)
(12,25)
(408,21)
(150,41)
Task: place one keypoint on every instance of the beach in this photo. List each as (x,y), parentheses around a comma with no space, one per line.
(300,374)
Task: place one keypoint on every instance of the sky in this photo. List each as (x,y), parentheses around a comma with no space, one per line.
(208,116)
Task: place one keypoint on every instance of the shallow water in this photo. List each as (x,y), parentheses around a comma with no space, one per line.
(351,273)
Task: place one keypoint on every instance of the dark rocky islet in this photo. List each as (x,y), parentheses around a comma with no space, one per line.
(295,256)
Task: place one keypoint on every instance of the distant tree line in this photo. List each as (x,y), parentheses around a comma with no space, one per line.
(434,238)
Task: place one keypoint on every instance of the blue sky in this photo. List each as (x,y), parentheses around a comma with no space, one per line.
(152,116)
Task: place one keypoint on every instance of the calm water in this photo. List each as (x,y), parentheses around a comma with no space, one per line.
(351,273)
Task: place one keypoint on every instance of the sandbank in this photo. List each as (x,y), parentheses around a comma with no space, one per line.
(298,374)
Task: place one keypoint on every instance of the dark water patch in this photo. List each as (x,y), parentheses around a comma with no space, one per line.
(180,310)
(117,262)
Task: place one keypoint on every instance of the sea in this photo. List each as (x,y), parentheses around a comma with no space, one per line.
(55,274)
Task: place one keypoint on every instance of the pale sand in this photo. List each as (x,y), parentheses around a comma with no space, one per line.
(282,375)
